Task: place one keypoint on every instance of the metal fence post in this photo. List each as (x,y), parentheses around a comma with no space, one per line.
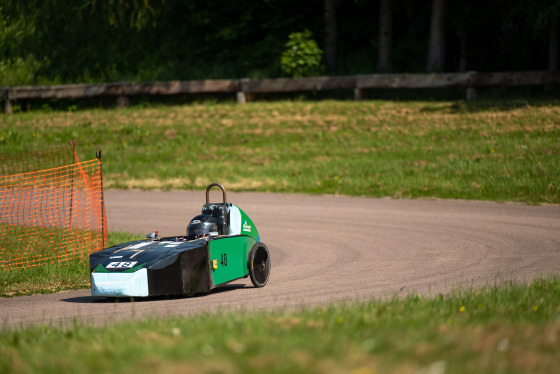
(241,96)
(7,102)
(122,101)
(359,94)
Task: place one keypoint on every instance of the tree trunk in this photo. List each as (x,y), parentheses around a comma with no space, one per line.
(435,62)
(384,47)
(463,54)
(553,49)
(330,33)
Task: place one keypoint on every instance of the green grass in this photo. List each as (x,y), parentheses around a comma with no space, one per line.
(486,149)
(514,328)
(38,245)
(53,277)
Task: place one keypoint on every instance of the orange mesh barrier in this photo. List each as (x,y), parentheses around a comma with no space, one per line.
(53,215)
(37,160)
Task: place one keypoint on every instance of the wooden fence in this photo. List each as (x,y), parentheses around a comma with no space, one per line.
(242,87)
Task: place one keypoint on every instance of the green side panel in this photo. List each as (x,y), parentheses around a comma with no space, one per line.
(231,255)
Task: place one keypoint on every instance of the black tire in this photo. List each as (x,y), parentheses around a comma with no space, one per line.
(259,265)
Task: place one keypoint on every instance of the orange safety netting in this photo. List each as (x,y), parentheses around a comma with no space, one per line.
(38,160)
(52,215)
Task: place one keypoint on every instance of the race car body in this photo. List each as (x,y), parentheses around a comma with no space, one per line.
(198,262)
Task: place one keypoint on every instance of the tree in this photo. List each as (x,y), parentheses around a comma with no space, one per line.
(330,33)
(464,17)
(549,15)
(436,45)
(384,47)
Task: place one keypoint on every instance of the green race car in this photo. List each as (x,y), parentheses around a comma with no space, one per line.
(222,244)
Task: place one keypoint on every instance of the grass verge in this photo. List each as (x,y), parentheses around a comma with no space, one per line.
(54,277)
(485,149)
(514,328)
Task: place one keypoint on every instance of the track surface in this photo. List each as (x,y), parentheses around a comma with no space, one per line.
(326,249)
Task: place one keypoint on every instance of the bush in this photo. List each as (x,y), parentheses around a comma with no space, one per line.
(302,56)
(18,71)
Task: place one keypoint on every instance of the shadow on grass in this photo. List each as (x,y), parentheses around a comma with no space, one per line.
(495,103)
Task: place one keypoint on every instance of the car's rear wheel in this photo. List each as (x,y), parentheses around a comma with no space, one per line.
(259,265)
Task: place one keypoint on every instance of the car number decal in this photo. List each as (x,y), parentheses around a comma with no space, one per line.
(120,265)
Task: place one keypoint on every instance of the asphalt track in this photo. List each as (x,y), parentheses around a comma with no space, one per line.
(326,249)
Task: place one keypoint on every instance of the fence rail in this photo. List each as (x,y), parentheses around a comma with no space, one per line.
(242,87)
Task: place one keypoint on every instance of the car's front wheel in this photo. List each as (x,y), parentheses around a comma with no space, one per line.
(259,265)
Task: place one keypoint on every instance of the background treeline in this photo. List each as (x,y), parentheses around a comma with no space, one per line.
(60,41)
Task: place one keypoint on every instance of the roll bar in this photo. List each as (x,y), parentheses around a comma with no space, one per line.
(208,192)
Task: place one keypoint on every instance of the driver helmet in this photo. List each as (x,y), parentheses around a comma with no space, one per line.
(201,226)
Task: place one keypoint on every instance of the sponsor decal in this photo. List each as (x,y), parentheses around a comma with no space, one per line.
(246,227)
(195,221)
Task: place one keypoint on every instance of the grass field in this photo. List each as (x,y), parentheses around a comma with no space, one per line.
(489,150)
(508,329)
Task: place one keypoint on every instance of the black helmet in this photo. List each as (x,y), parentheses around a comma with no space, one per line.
(202,225)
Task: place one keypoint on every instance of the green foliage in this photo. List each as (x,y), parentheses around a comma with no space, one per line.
(91,41)
(16,31)
(18,66)
(137,14)
(301,56)
(18,71)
